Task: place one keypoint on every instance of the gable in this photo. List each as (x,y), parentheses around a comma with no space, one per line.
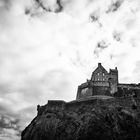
(100,69)
(99,74)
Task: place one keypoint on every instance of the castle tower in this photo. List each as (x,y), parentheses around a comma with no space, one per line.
(113,80)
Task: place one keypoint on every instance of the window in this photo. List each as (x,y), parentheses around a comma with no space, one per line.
(103,74)
(103,79)
(98,73)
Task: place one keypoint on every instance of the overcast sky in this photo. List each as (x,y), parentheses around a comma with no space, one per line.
(49,47)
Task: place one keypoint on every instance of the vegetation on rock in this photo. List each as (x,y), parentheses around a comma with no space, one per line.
(91,122)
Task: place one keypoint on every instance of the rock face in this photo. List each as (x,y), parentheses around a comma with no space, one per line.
(94,119)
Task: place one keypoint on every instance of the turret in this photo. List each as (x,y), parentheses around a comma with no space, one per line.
(114,74)
(113,80)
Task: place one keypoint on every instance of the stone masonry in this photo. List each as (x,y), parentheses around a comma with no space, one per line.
(102,82)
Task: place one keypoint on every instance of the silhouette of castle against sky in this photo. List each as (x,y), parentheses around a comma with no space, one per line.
(105,83)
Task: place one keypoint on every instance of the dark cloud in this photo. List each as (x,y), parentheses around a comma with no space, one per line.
(12,123)
(46,6)
(101,45)
(9,124)
(114,6)
(27,11)
(41,5)
(94,18)
(59,5)
(5,4)
(117,36)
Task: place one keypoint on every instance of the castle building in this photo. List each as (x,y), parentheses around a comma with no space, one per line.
(103,82)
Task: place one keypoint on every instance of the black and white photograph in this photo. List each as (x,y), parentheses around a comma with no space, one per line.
(69,69)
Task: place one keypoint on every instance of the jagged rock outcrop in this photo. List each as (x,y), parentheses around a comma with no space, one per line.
(94,119)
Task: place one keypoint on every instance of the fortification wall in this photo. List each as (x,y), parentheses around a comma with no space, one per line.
(84,92)
(51,105)
(126,91)
(95,90)
(101,90)
(126,102)
(129,86)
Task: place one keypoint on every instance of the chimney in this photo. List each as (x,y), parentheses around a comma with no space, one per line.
(99,64)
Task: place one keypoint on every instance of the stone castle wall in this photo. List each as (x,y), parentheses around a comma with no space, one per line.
(121,91)
(129,86)
(101,90)
(61,105)
(127,90)
(91,91)
(101,83)
(105,83)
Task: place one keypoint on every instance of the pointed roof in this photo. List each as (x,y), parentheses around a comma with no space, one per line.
(100,67)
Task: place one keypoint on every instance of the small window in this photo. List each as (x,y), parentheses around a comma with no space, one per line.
(98,73)
(98,79)
(103,74)
(103,79)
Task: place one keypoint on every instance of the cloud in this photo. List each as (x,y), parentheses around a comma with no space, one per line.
(101,45)
(50,5)
(47,54)
(117,35)
(9,128)
(115,5)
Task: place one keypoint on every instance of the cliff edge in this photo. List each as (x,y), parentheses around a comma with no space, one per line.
(91,119)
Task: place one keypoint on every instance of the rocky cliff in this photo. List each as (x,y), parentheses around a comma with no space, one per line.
(92,119)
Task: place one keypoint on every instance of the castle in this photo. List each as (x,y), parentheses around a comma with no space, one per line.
(102,88)
(103,82)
